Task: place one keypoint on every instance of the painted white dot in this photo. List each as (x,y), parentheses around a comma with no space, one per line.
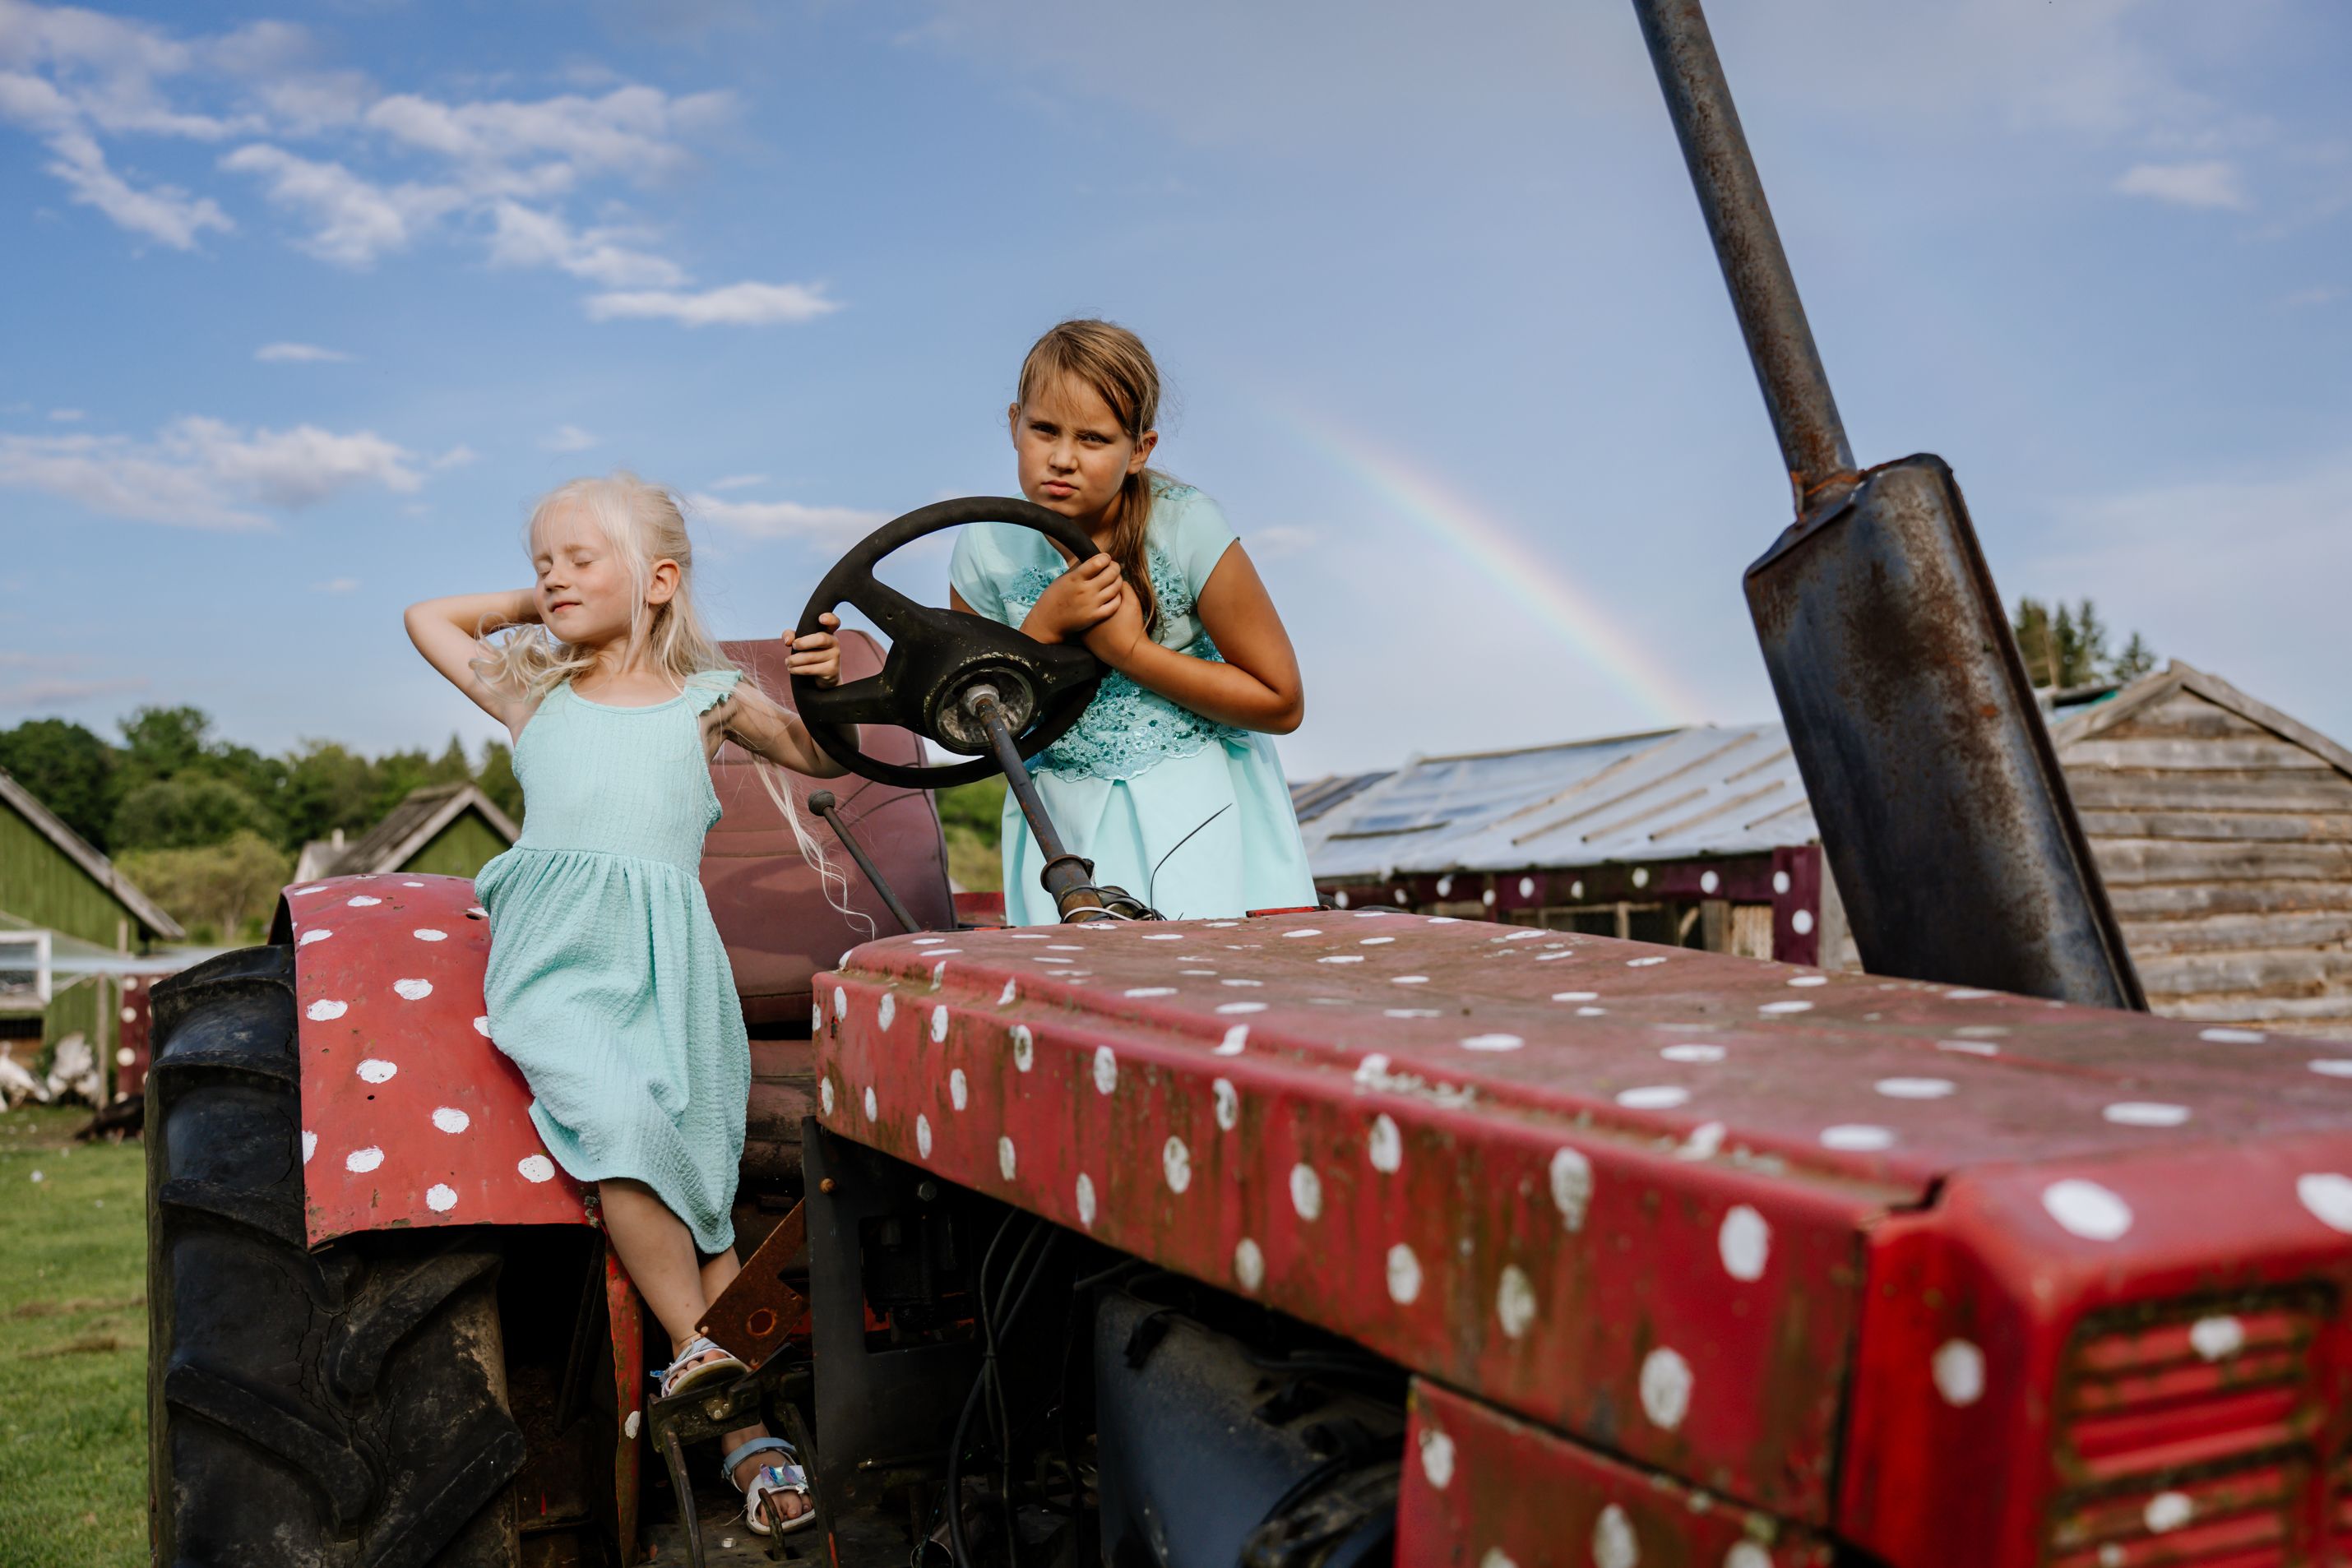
(426,934)
(1576,890)
(376,1069)
(1236,1037)
(1410,1013)
(959,1089)
(362,901)
(873,1108)
(1642,963)
(1230,1009)
(1488,898)
(1665,1387)
(1409,979)
(321,1011)
(1692,1052)
(1176,1164)
(1400,896)
(412,885)
(1515,1302)
(1086,1195)
(825,1094)
(816,1018)
(1915,1088)
(1305,1192)
(1785,1008)
(310,1144)
(2328,1197)
(1575,996)
(886,1008)
(1436,1457)
(929,940)
(2088,1210)
(1591,1012)
(1780,882)
(1445,887)
(1747,1554)
(1959,1368)
(1572,1185)
(482,1026)
(1809,980)
(1309,931)
(1024,1048)
(1341,958)
(441,1198)
(2167,1510)
(1653,1097)
(359,1162)
(1385,1148)
(1613,1541)
(1801,923)
(1242,983)
(130,1015)
(840,1003)
(412,990)
(1745,1242)
(1708,882)
(1526,887)
(629,1427)
(2232,1036)
(940,1024)
(1493,1042)
(1249,1265)
(1105,1070)
(1857,1138)
(923,1136)
(2144,1113)
(1376,941)
(1404,1275)
(2333,1067)
(2217,1337)
(535,1168)
(1011,993)
(940,973)
(1969,994)
(1007,1161)
(1151,991)
(449,1119)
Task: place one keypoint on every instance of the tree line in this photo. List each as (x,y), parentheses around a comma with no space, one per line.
(2065,646)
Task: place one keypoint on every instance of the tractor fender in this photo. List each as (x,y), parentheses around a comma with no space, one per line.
(410,1116)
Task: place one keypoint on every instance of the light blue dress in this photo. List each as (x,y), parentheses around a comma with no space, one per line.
(1190,815)
(607,982)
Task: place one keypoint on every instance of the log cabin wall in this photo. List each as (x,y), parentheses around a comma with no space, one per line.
(2224,831)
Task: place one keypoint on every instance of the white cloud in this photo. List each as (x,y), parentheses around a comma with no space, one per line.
(739,482)
(68,415)
(526,236)
(163,212)
(736,304)
(355,220)
(568,438)
(628,131)
(203,473)
(299,354)
(335,585)
(2206,182)
(786,519)
(458,456)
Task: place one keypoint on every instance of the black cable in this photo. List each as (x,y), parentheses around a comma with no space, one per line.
(1151,882)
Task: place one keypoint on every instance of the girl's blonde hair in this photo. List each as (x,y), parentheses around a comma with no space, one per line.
(645,525)
(1112,360)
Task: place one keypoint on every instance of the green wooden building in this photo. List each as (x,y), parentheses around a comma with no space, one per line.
(449,830)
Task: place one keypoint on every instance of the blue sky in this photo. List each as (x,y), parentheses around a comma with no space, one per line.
(304,305)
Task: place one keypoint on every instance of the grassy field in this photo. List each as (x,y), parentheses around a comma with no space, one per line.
(73,1345)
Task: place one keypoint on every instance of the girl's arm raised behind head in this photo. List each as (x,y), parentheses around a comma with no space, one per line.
(449,633)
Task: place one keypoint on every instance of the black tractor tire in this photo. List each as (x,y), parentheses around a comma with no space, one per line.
(346,1408)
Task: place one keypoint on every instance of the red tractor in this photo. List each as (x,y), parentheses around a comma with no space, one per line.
(1318,1236)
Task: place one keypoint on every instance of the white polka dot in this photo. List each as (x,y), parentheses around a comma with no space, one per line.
(1176,1164)
(1591,1012)
(2333,1067)
(1151,991)
(1385,1148)
(1641,876)
(1576,890)
(1515,1302)
(840,1003)
(426,934)
(2144,1113)
(321,1011)
(825,1094)
(923,1136)
(412,885)
(1857,1138)
(1801,923)
(1915,1088)
(1959,1372)
(816,1018)
(412,990)
(2087,1209)
(1310,931)
(939,1025)
(449,1119)
(1305,1192)
(1341,958)
(1229,1103)
(1575,996)
(1572,1185)
(1969,994)
(1024,1048)
(1163,937)
(1526,887)
(1249,1265)
(1007,1162)
(1404,1275)
(1642,963)
(1235,1038)
(886,1008)
(959,1089)
(1493,1042)
(1011,994)
(1341,898)
(1809,980)
(1970,1047)
(1085,1193)
(1436,1457)
(1231,1007)
(2217,1337)
(482,1026)
(929,941)
(1747,1554)
(362,901)
(1613,1543)
(1785,1008)
(1692,1052)
(873,1108)
(940,973)
(1240,982)
(1653,1097)
(1410,1013)
(629,1427)
(1665,1387)
(1445,887)
(2167,1510)
(1780,882)
(536,1168)
(1105,1070)
(1375,941)
(1745,1242)
(130,1015)
(376,1069)
(441,1198)
(1409,980)
(360,1161)
(2232,1036)
(1400,896)
(2328,1197)
(310,1144)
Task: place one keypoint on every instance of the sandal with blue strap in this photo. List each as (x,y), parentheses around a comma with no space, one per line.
(785,1476)
(699,1363)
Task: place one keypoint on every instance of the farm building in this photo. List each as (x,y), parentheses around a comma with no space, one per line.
(449,830)
(71,930)
(2222,827)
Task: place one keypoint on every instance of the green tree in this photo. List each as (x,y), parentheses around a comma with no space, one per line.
(970,816)
(2066,647)
(497,779)
(67,768)
(187,813)
(2136,659)
(163,742)
(327,786)
(220,893)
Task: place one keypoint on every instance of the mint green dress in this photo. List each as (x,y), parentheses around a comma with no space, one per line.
(608,983)
(1188,814)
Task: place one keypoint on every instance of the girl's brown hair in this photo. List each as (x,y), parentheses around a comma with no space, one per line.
(1112,360)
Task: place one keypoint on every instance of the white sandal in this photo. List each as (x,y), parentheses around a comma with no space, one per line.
(685,1372)
(785,1477)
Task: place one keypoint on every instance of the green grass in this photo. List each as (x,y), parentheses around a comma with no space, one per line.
(73,1345)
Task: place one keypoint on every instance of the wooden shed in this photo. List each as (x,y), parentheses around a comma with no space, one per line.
(449,830)
(2224,831)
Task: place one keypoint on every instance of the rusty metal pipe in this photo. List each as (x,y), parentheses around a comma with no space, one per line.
(1755,268)
(824,804)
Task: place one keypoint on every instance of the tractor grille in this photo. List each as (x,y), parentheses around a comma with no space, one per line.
(2184,1433)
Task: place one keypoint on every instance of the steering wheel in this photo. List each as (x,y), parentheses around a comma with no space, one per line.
(938,656)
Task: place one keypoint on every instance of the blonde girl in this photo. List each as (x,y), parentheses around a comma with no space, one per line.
(607,984)
(1169,784)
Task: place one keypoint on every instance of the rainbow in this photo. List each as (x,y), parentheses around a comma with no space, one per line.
(1539,586)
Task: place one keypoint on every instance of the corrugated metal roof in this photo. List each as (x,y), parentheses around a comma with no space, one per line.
(1310,798)
(1666,795)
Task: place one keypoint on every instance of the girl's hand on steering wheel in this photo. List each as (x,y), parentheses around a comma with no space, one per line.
(817,655)
(1079,600)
